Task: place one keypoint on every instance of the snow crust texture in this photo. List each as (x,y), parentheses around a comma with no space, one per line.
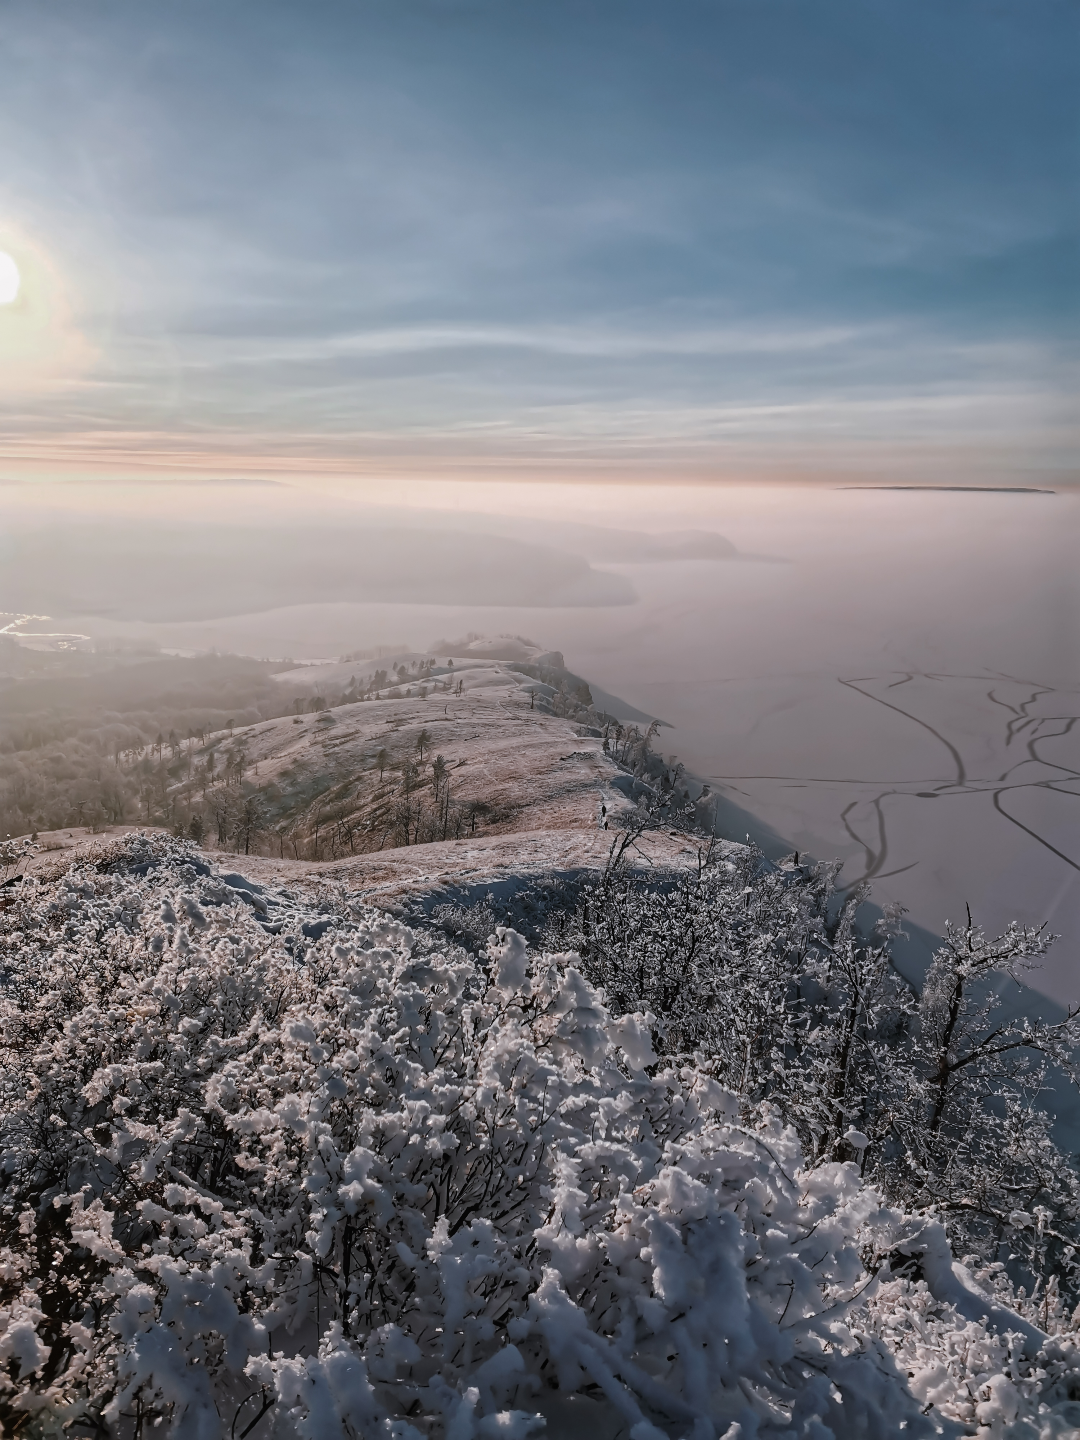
(354,1186)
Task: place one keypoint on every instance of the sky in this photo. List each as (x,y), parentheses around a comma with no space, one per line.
(703,240)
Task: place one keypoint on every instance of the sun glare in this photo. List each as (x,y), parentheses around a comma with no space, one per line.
(9,279)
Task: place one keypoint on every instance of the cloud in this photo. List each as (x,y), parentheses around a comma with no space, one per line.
(527,229)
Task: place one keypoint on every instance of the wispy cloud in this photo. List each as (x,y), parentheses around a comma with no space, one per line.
(539,231)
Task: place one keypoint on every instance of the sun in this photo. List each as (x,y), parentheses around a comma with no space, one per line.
(9,279)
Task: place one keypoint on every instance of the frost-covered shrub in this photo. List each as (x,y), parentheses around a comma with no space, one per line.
(253,1183)
(987,1382)
(936,1094)
(743,961)
(468,925)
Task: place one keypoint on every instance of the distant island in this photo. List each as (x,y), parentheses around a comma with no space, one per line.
(966,489)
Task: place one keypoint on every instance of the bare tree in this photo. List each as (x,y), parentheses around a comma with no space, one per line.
(250,820)
(222,812)
(439,772)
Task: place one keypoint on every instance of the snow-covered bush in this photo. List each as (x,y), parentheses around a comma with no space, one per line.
(263,1183)
(937,1094)
(989,1382)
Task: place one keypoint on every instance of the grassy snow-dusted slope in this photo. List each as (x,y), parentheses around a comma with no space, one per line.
(453,772)
(467,750)
(315,1175)
(511,766)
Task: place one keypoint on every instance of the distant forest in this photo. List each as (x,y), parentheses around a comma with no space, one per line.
(84,736)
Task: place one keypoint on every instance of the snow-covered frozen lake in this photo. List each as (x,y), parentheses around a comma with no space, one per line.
(888,677)
(903,692)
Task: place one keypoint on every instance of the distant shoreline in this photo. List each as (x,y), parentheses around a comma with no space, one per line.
(973,489)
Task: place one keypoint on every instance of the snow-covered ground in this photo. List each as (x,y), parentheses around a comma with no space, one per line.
(470,869)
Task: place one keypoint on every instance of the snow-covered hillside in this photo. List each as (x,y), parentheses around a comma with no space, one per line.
(509,759)
(277,1167)
(406,766)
